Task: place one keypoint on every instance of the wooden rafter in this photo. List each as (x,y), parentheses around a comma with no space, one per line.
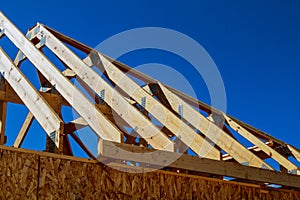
(213,132)
(160,112)
(74,97)
(260,144)
(130,114)
(44,114)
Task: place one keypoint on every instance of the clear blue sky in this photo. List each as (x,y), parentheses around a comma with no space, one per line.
(254,44)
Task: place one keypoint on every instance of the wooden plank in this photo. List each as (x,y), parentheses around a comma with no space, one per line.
(24,130)
(3,108)
(295,152)
(12,97)
(98,123)
(213,132)
(260,144)
(254,149)
(160,112)
(41,110)
(128,112)
(20,57)
(230,169)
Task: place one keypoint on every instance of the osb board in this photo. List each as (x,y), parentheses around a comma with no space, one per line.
(18,175)
(66,179)
(26,174)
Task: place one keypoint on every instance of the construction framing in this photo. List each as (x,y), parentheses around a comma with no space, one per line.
(181,126)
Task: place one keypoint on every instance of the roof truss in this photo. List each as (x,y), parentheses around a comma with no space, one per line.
(131,105)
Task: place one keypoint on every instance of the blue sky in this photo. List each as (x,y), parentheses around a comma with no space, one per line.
(255,46)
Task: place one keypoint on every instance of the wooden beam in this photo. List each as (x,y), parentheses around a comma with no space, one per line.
(98,123)
(3,108)
(12,97)
(24,130)
(212,131)
(41,110)
(260,144)
(186,134)
(147,79)
(295,152)
(161,158)
(254,149)
(128,112)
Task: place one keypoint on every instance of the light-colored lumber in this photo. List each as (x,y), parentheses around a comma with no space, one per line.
(98,123)
(212,131)
(186,134)
(24,130)
(11,96)
(295,152)
(129,113)
(147,79)
(260,144)
(41,110)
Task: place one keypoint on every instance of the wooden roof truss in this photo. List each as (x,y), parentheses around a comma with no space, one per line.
(131,104)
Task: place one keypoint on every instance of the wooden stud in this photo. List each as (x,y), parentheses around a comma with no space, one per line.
(24,130)
(3,109)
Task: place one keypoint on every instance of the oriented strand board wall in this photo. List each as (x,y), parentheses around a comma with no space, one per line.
(18,175)
(26,175)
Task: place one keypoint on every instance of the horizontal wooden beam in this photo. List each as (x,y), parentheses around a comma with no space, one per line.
(161,158)
(12,97)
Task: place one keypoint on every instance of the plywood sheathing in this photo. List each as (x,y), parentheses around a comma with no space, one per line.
(25,174)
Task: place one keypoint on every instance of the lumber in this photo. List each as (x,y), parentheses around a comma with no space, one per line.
(128,112)
(3,109)
(98,123)
(260,144)
(212,131)
(186,134)
(147,79)
(41,110)
(24,130)
(295,152)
